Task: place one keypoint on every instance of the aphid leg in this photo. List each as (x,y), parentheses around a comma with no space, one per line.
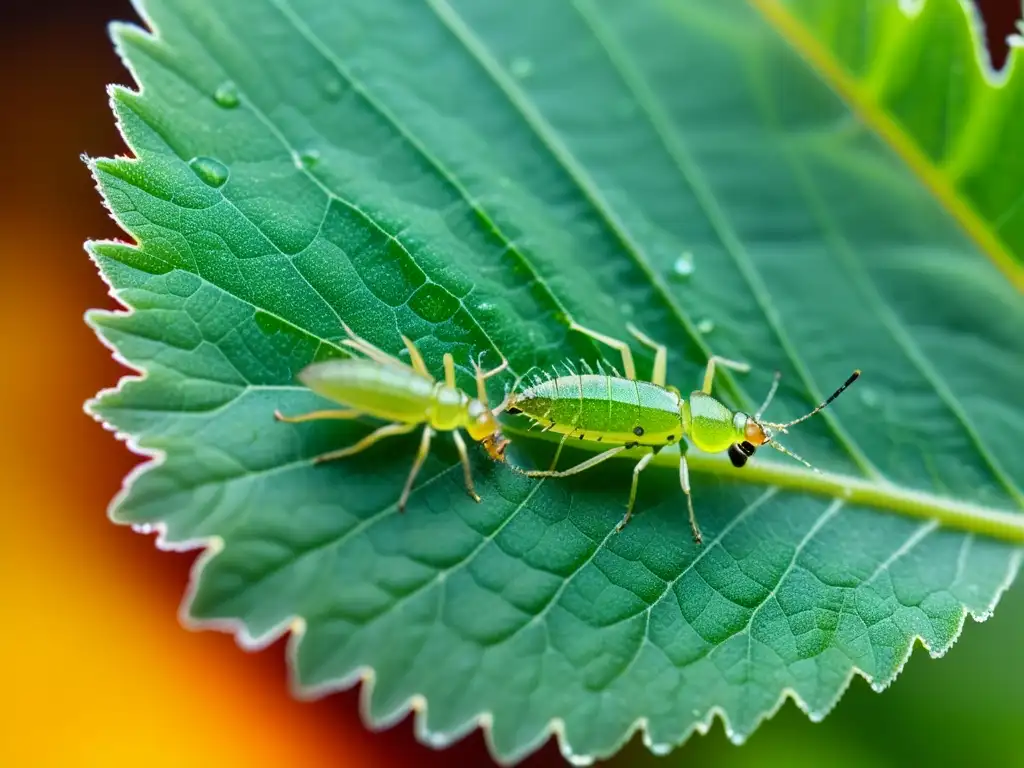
(417,359)
(388,430)
(640,465)
(581,467)
(558,451)
(482,376)
(621,346)
(684,481)
(709,372)
(449,369)
(421,456)
(660,354)
(360,344)
(314,415)
(460,446)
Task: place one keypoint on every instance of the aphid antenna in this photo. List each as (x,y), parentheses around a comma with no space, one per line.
(784,427)
(798,457)
(518,470)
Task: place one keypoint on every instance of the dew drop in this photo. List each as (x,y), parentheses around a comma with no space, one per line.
(659,750)
(226,95)
(212,172)
(706,325)
(307,159)
(683,266)
(521,67)
(484,306)
(332,87)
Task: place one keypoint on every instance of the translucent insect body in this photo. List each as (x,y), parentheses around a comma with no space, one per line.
(626,413)
(407,396)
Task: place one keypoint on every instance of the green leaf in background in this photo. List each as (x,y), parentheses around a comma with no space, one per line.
(477,175)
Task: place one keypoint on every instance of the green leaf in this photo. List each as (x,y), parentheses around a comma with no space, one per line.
(921,77)
(477,176)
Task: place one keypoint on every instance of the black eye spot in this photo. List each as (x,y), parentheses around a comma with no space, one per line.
(737,456)
(638,431)
(581,437)
(670,438)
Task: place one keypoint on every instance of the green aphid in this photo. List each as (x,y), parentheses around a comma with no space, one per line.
(407,396)
(626,413)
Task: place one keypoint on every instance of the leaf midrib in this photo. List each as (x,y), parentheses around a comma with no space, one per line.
(953,513)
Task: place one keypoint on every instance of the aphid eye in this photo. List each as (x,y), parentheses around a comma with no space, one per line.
(638,431)
(737,456)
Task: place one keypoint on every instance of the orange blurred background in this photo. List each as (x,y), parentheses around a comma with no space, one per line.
(97,669)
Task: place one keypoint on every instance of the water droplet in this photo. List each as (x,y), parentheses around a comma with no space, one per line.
(706,325)
(659,749)
(484,306)
(521,67)
(212,172)
(226,95)
(683,266)
(306,160)
(332,87)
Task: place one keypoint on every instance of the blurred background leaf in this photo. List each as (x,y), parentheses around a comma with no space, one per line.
(78,577)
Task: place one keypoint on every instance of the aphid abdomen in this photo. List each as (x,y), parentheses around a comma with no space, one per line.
(387,392)
(604,408)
